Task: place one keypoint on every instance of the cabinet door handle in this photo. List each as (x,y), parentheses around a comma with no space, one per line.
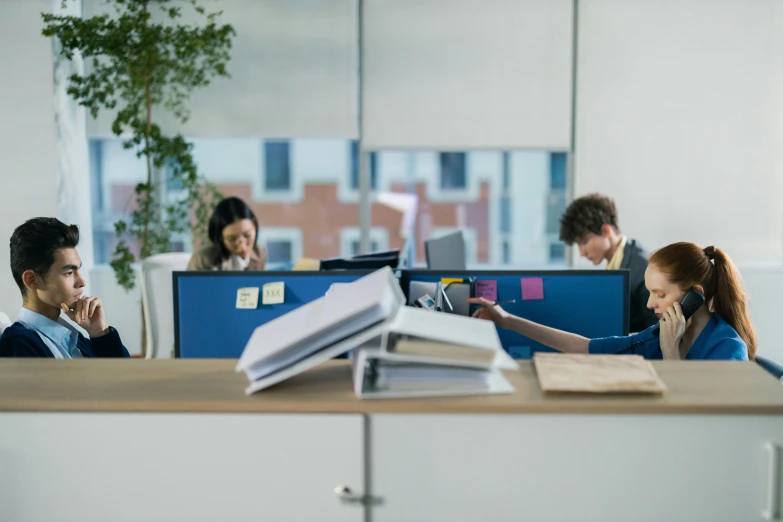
(773,483)
(347,496)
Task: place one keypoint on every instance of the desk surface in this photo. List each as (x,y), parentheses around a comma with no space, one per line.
(212,386)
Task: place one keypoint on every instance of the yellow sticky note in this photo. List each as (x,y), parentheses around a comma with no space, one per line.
(274,293)
(449,280)
(247,298)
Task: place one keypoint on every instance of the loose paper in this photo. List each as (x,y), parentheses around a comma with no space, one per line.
(596,373)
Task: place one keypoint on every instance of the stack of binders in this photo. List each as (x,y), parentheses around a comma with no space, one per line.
(400,351)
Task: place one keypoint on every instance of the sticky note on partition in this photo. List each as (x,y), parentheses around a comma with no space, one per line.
(449,280)
(274,293)
(532,288)
(247,298)
(487,288)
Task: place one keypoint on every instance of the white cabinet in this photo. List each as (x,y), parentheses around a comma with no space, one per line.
(147,467)
(572,467)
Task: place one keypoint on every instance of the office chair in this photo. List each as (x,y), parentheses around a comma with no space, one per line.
(771,366)
(157,297)
(5,322)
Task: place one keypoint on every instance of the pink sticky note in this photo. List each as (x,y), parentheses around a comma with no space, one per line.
(532,288)
(488,289)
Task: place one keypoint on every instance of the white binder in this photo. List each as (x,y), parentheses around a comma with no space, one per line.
(379,372)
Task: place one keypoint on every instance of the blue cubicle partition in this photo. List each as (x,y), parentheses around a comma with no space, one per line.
(207,323)
(593,303)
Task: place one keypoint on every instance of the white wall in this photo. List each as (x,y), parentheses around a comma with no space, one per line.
(764,285)
(293,67)
(123,309)
(679,116)
(27,137)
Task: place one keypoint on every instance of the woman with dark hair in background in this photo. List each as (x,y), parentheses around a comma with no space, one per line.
(719,329)
(233,232)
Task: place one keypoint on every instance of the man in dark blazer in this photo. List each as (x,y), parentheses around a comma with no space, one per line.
(591,222)
(46,267)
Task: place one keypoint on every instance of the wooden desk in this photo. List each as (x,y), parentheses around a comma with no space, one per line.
(179,440)
(188,385)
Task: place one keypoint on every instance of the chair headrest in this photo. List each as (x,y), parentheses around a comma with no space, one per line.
(5,322)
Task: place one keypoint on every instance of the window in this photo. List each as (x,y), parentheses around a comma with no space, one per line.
(507,210)
(277,165)
(506,171)
(452,171)
(556,253)
(505,214)
(355,247)
(279,251)
(96,174)
(355,167)
(173,183)
(556,202)
(558,162)
(512,206)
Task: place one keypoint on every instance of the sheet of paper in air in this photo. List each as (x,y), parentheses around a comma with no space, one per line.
(596,373)
(274,293)
(487,288)
(532,288)
(247,298)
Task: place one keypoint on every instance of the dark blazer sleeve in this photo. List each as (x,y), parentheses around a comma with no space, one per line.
(641,316)
(109,345)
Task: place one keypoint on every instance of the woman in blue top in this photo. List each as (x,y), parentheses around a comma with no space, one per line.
(720,329)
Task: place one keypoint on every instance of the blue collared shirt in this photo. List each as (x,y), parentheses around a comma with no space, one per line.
(718,341)
(59,336)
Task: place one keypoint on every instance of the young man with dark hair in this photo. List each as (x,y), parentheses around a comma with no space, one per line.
(45,266)
(591,222)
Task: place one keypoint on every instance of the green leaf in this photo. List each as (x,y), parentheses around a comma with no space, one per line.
(140,68)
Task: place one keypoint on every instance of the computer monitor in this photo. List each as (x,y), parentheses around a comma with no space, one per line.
(372,261)
(446,252)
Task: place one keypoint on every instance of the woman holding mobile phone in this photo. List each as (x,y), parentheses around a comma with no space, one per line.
(720,329)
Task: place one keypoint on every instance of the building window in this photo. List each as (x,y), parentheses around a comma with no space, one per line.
(96,174)
(277,165)
(506,171)
(556,252)
(558,170)
(505,214)
(355,247)
(506,252)
(173,182)
(453,175)
(355,167)
(556,200)
(279,251)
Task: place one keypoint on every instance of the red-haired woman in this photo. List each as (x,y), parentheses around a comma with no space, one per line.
(719,329)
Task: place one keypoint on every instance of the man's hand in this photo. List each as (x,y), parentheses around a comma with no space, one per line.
(88,313)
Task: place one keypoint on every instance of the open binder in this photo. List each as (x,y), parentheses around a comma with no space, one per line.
(370,314)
